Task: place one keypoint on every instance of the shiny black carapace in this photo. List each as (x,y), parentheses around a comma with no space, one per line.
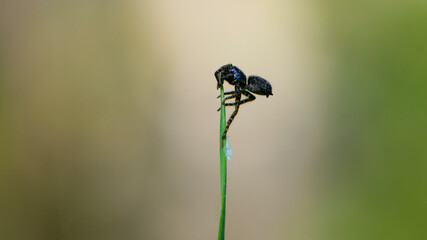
(253,84)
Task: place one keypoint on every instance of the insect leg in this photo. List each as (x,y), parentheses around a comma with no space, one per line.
(227,93)
(250,98)
(230,120)
(236,95)
(229,97)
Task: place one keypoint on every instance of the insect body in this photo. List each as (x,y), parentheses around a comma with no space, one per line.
(242,86)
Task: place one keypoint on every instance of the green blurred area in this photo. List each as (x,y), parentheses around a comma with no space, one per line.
(376,147)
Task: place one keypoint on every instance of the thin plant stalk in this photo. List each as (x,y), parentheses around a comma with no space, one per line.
(223,168)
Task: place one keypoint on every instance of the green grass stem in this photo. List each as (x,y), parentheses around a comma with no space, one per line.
(223,169)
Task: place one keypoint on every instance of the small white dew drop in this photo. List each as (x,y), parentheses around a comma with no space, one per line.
(228,151)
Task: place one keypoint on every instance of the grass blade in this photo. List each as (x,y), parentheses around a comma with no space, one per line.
(223,168)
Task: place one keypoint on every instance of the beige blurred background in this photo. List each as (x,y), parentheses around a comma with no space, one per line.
(109,129)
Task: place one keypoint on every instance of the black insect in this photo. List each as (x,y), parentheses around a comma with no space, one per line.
(234,76)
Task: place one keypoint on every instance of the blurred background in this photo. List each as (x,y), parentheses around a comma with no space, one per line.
(109,129)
